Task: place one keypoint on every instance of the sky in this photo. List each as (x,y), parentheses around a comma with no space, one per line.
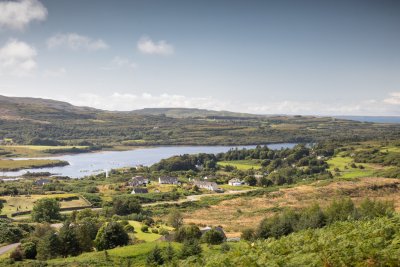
(339,57)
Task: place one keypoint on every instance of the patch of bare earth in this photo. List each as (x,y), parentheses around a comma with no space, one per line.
(243,212)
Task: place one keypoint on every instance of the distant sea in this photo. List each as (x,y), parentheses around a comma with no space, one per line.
(377,119)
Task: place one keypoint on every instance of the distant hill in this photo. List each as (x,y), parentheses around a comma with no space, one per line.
(191,113)
(25,119)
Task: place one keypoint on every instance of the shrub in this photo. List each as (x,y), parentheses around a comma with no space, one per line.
(29,250)
(111,235)
(213,237)
(144,229)
(155,257)
(187,232)
(247,234)
(191,247)
(129,228)
(17,254)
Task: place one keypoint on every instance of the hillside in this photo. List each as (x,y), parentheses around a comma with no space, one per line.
(23,119)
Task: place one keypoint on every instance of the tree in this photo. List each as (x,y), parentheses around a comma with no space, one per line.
(175,219)
(48,247)
(86,232)
(213,237)
(187,232)
(250,180)
(126,205)
(155,257)
(29,250)
(169,253)
(69,244)
(1,205)
(340,210)
(191,247)
(111,235)
(46,210)
(311,218)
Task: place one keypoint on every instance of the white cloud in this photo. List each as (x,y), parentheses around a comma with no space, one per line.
(148,46)
(54,73)
(18,14)
(75,41)
(17,58)
(394,99)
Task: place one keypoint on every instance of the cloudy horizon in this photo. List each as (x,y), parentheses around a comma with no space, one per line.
(261,57)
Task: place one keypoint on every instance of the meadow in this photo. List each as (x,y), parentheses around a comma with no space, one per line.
(241,164)
(346,170)
(15,165)
(28,151)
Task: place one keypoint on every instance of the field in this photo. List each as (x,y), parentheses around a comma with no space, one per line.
(32,151)
(227,187)
(25,203)
(240,213)
(15,165)
(149,236)
(345,169)
(241,164)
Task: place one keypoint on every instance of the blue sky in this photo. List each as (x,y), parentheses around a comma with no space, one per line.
(268,57)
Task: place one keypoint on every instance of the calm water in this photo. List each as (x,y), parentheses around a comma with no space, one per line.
(93,163)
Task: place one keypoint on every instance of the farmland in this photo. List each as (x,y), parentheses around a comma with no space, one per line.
(241,164)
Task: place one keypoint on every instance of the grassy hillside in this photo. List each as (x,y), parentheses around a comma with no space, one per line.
(24,119)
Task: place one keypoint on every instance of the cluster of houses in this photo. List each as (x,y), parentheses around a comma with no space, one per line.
(139,183)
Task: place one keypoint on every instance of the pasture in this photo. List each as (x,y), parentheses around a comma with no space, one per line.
(343,164)
(241,164)
(26,202)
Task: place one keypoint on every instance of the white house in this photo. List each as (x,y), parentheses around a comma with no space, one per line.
(139,190)
(139,180)
(235,182)
(168,180)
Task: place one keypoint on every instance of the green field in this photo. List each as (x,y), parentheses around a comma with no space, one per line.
(241,164)
(32,151)
(228,187)
(345,169)
(148,237)
(15,165)
(25,203)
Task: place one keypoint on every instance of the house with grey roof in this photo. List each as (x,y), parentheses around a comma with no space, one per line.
(168,180)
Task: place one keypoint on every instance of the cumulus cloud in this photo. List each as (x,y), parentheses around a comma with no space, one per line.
(75,41)
(148,46)
(17,58)
(393,99)
(18,14)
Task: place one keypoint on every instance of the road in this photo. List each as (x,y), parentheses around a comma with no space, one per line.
(8,248)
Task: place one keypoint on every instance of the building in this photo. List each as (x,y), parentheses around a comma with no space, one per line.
(138,181)
(139,190)
(42,182)
(206,185)
(168,180)
(235,182)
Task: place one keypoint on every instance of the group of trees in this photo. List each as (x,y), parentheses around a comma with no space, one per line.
(186,162)
(314,217)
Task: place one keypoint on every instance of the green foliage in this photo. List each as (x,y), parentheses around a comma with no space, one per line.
(46,210)
(129,228)
(10,233)
(175,218)
(17,254)
(187,232)
(370,209)
(155,257)
(191,247)
(29,250)
(213,237)
(341,210)
(111,235)
(49,246)
(124,205)
(69,243)
(248,234)
(144,228)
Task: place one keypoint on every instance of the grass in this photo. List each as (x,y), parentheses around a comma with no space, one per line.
(241,164)
(139,234)
(32,151)
(345,169)
(15,165)
(26,203)
(227,187)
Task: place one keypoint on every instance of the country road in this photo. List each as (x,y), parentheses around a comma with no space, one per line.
(8,248)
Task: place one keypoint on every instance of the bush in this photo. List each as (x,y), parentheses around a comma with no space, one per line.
(247,234)
(187,232)
(191,247)
(155,257)
(17,254)
(144,229)
(163,231)
(29,250)
(129,228)
(213,237)
(154,231)
(341,210)
(126,205)
(111,235)
(46,210)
